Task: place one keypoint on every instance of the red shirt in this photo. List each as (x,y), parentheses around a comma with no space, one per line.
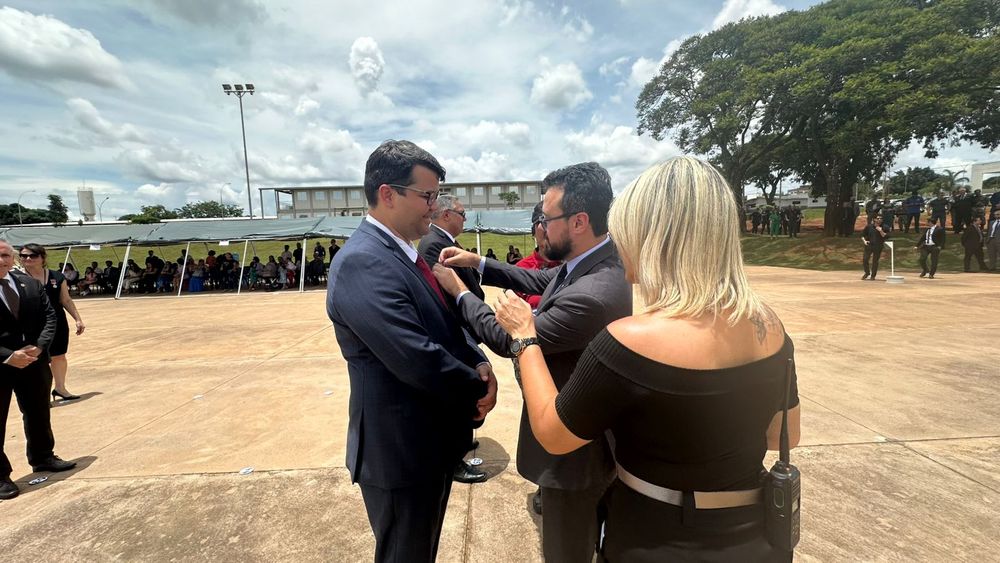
(534,262)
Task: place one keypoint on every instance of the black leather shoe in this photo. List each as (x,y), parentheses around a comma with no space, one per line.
(8,489)
(54,464)
(536,502)
(465,473)
(473,446)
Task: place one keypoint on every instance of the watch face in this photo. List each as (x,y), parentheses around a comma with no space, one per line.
(515,346)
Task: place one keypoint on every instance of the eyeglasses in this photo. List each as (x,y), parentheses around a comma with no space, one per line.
(462,213)
(28,256)
(430,197)
(544,221)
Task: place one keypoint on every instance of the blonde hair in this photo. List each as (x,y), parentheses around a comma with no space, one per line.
(677,226)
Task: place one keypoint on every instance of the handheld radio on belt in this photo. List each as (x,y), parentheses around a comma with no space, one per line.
(783,487)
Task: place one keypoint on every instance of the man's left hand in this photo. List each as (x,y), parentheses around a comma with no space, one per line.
(486,404)
(448,280)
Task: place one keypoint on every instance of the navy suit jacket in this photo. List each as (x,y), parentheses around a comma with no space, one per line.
(412,372)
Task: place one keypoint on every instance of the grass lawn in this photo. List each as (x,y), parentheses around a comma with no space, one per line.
(810,251)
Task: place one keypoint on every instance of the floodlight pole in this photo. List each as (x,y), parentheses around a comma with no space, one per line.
(239,90)
(100,216)
(20,223)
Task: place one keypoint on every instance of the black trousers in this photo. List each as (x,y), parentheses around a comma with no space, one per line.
(940,218)
(978,254)
(31,386)
(934,252)
(915,218)
(407,521)
(872,255)
(570,524)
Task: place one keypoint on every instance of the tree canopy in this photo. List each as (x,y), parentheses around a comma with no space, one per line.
(196,210)
(831,94)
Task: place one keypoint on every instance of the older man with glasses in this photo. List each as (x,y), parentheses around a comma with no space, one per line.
(27,325)
(447,223)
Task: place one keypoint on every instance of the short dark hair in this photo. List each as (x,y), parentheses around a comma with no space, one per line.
(392,163)
(37,249)
(586,187)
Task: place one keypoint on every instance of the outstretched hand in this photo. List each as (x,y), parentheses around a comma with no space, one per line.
(455,257)
(448,280)
(513,314)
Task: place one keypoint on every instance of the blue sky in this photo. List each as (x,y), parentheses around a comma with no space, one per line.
(126,95)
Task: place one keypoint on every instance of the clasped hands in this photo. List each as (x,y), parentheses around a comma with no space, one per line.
(24,357)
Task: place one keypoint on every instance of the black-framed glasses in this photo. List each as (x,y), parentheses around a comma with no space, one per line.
(28,256)
(544,221)
(430,197)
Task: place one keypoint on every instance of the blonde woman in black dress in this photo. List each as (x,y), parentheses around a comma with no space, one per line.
(691,388)
(33,260)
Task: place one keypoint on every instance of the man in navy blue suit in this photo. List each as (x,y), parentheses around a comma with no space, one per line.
(418,383)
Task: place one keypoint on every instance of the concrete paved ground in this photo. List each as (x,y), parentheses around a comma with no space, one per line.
(900,455)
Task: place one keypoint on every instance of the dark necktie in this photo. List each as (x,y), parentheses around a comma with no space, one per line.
(10,295)
(560,278)
(429,276)
(930,232)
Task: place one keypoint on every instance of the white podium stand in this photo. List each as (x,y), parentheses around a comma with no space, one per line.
(893,278)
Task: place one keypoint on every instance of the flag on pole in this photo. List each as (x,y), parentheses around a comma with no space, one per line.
(888,243)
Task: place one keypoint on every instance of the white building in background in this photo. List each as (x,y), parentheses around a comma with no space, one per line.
(321,201)
(979,169)
(800,195)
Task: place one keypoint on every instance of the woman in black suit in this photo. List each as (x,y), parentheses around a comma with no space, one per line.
(33,260)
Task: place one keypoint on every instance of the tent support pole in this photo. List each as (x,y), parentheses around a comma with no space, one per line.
(302,266)
(121,276)
(66,260)
(479,244)
(239,284)
(187,255)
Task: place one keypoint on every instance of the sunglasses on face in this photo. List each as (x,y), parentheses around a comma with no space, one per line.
(27,256)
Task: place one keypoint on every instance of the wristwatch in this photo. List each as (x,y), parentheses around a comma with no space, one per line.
(518,345)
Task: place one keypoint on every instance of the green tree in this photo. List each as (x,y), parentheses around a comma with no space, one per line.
(206,209)
(922,179)
(58,212)
(510,198)
(849,83)
(150,214)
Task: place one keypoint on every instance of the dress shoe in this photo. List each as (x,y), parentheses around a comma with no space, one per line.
(54,464)
(473,446)
(923,274)
(931,276)
(536,502)
(67,397)
(864,277)
(8,489)
(465,473)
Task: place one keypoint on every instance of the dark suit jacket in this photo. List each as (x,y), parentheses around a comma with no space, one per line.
(594,295)
(430,248)
(35,325)
(937,237)
(412,370)
(973,237)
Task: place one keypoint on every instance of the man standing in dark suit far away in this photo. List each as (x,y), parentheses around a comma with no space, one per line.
(418,384)
(447,222)
(27,325)
(579,300)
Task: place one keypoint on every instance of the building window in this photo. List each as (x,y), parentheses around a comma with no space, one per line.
(337,195)
(478,190)
(496,190)
(529,190)
(460,192)
(355,195)
(319,195)
(302,195)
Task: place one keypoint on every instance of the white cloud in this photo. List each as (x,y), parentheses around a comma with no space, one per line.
(490,165)
(306,105)
(560,87)
(321,141)
(735,10)
(485,135)
(367,64)
(106,132)
(614,67)
(579,29)
(43,48)
(215,12)
(511,10)
(619,149)
(168,164)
